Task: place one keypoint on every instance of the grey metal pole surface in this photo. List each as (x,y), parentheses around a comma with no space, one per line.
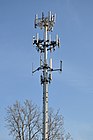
(45,89)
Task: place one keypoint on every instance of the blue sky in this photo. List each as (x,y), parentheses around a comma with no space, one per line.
(71,91)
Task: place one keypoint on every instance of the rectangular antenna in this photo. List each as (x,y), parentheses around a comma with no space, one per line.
(50,75)
(49,15)
(55,19)
(42,16)
(40,59)
(60,65)
(37,37)
(49,38)
(36,19)
(58,42)
(51,63)
(32,68)
(57,39)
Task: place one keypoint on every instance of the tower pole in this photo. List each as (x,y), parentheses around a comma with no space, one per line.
(45,89)
(44,46)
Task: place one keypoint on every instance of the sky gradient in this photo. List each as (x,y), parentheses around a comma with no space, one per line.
(71,91)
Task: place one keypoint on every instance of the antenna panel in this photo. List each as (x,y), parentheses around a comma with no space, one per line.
(60,65)
(49,15)
(49,38)
(51,63)
(37,37)
(57,39)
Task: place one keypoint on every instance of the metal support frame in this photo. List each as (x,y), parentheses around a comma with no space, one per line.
(43,46)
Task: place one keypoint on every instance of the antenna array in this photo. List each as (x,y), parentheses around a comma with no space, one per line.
(44,46)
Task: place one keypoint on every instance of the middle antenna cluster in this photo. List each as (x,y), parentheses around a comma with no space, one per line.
(40,43)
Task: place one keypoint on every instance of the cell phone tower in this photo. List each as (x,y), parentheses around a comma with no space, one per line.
(44,46)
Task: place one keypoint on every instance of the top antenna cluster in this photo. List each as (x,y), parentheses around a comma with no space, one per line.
(48,21)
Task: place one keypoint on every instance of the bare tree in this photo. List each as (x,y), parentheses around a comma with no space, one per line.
(68,136)
(55,123)
(24,121)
